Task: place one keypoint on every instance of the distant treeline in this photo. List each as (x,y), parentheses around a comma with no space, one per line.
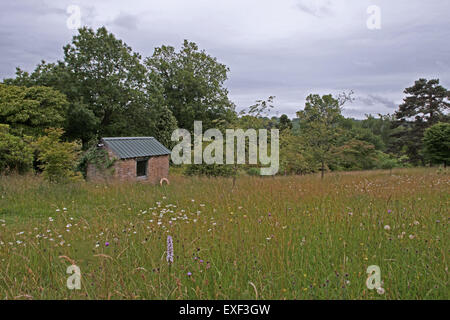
(52,116)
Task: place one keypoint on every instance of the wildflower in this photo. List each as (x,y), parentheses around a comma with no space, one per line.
(387,227)
(189,274)
(380,290)
(350,214)
(389,211)
(106,244)
(416,223)
(169,249)
(411,236)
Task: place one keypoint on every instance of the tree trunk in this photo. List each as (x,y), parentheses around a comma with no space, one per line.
(323,169)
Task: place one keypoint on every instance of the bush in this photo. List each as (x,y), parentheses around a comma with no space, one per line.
(436,143)
(16,154)
(210,170)
(96,156)
(58,158)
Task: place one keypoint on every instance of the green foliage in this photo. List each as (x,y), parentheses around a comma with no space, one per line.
(31,110)
(295,156)
(111,81)
(16,154)
(437,143)
(96,156)
(386,161)
(426,104)
(193,85)
(210,170)
(253,171)
(355,155)
(58,158)
(285,123)
(319,123)
(165,123)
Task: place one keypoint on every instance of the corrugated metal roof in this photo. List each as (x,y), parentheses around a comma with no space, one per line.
(134,147)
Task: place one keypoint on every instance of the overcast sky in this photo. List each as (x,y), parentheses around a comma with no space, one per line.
(284,48)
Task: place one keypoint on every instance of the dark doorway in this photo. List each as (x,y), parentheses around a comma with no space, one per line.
(141,168)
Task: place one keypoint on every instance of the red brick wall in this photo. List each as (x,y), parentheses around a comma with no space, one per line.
(157,168)
(122,170)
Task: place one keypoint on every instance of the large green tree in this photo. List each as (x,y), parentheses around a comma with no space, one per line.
(319,125)
(16,153)
(437,143)
(110,91)
(193,85)
(426,104)
(109,78)
(31,110)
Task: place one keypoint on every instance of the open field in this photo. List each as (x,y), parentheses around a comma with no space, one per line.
(269,238)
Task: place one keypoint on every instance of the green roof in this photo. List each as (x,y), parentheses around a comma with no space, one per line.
(135,147)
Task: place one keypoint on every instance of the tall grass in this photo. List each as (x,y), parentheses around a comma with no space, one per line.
(266,238)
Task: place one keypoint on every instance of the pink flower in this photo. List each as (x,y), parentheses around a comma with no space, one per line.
(169,249)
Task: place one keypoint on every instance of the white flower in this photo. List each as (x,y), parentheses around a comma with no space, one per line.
(411,236)
(380,290)
(387,227)
(416,223)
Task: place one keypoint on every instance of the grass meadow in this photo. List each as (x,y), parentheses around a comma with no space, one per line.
(266,238)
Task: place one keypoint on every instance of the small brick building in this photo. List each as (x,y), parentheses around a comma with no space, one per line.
(136,159)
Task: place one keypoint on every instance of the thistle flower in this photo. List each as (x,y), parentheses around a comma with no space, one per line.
(169,249)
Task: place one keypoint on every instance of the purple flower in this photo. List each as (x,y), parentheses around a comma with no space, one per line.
(106,243)
(389,211)
(169,249)
(270,214)
(189,274)
(201,261)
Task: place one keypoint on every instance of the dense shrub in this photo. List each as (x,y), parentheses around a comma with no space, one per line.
(57,158)
(16,154)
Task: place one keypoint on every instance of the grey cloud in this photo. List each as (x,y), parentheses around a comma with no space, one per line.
(126,20)
(372,100)
(317,8)
(287,49)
